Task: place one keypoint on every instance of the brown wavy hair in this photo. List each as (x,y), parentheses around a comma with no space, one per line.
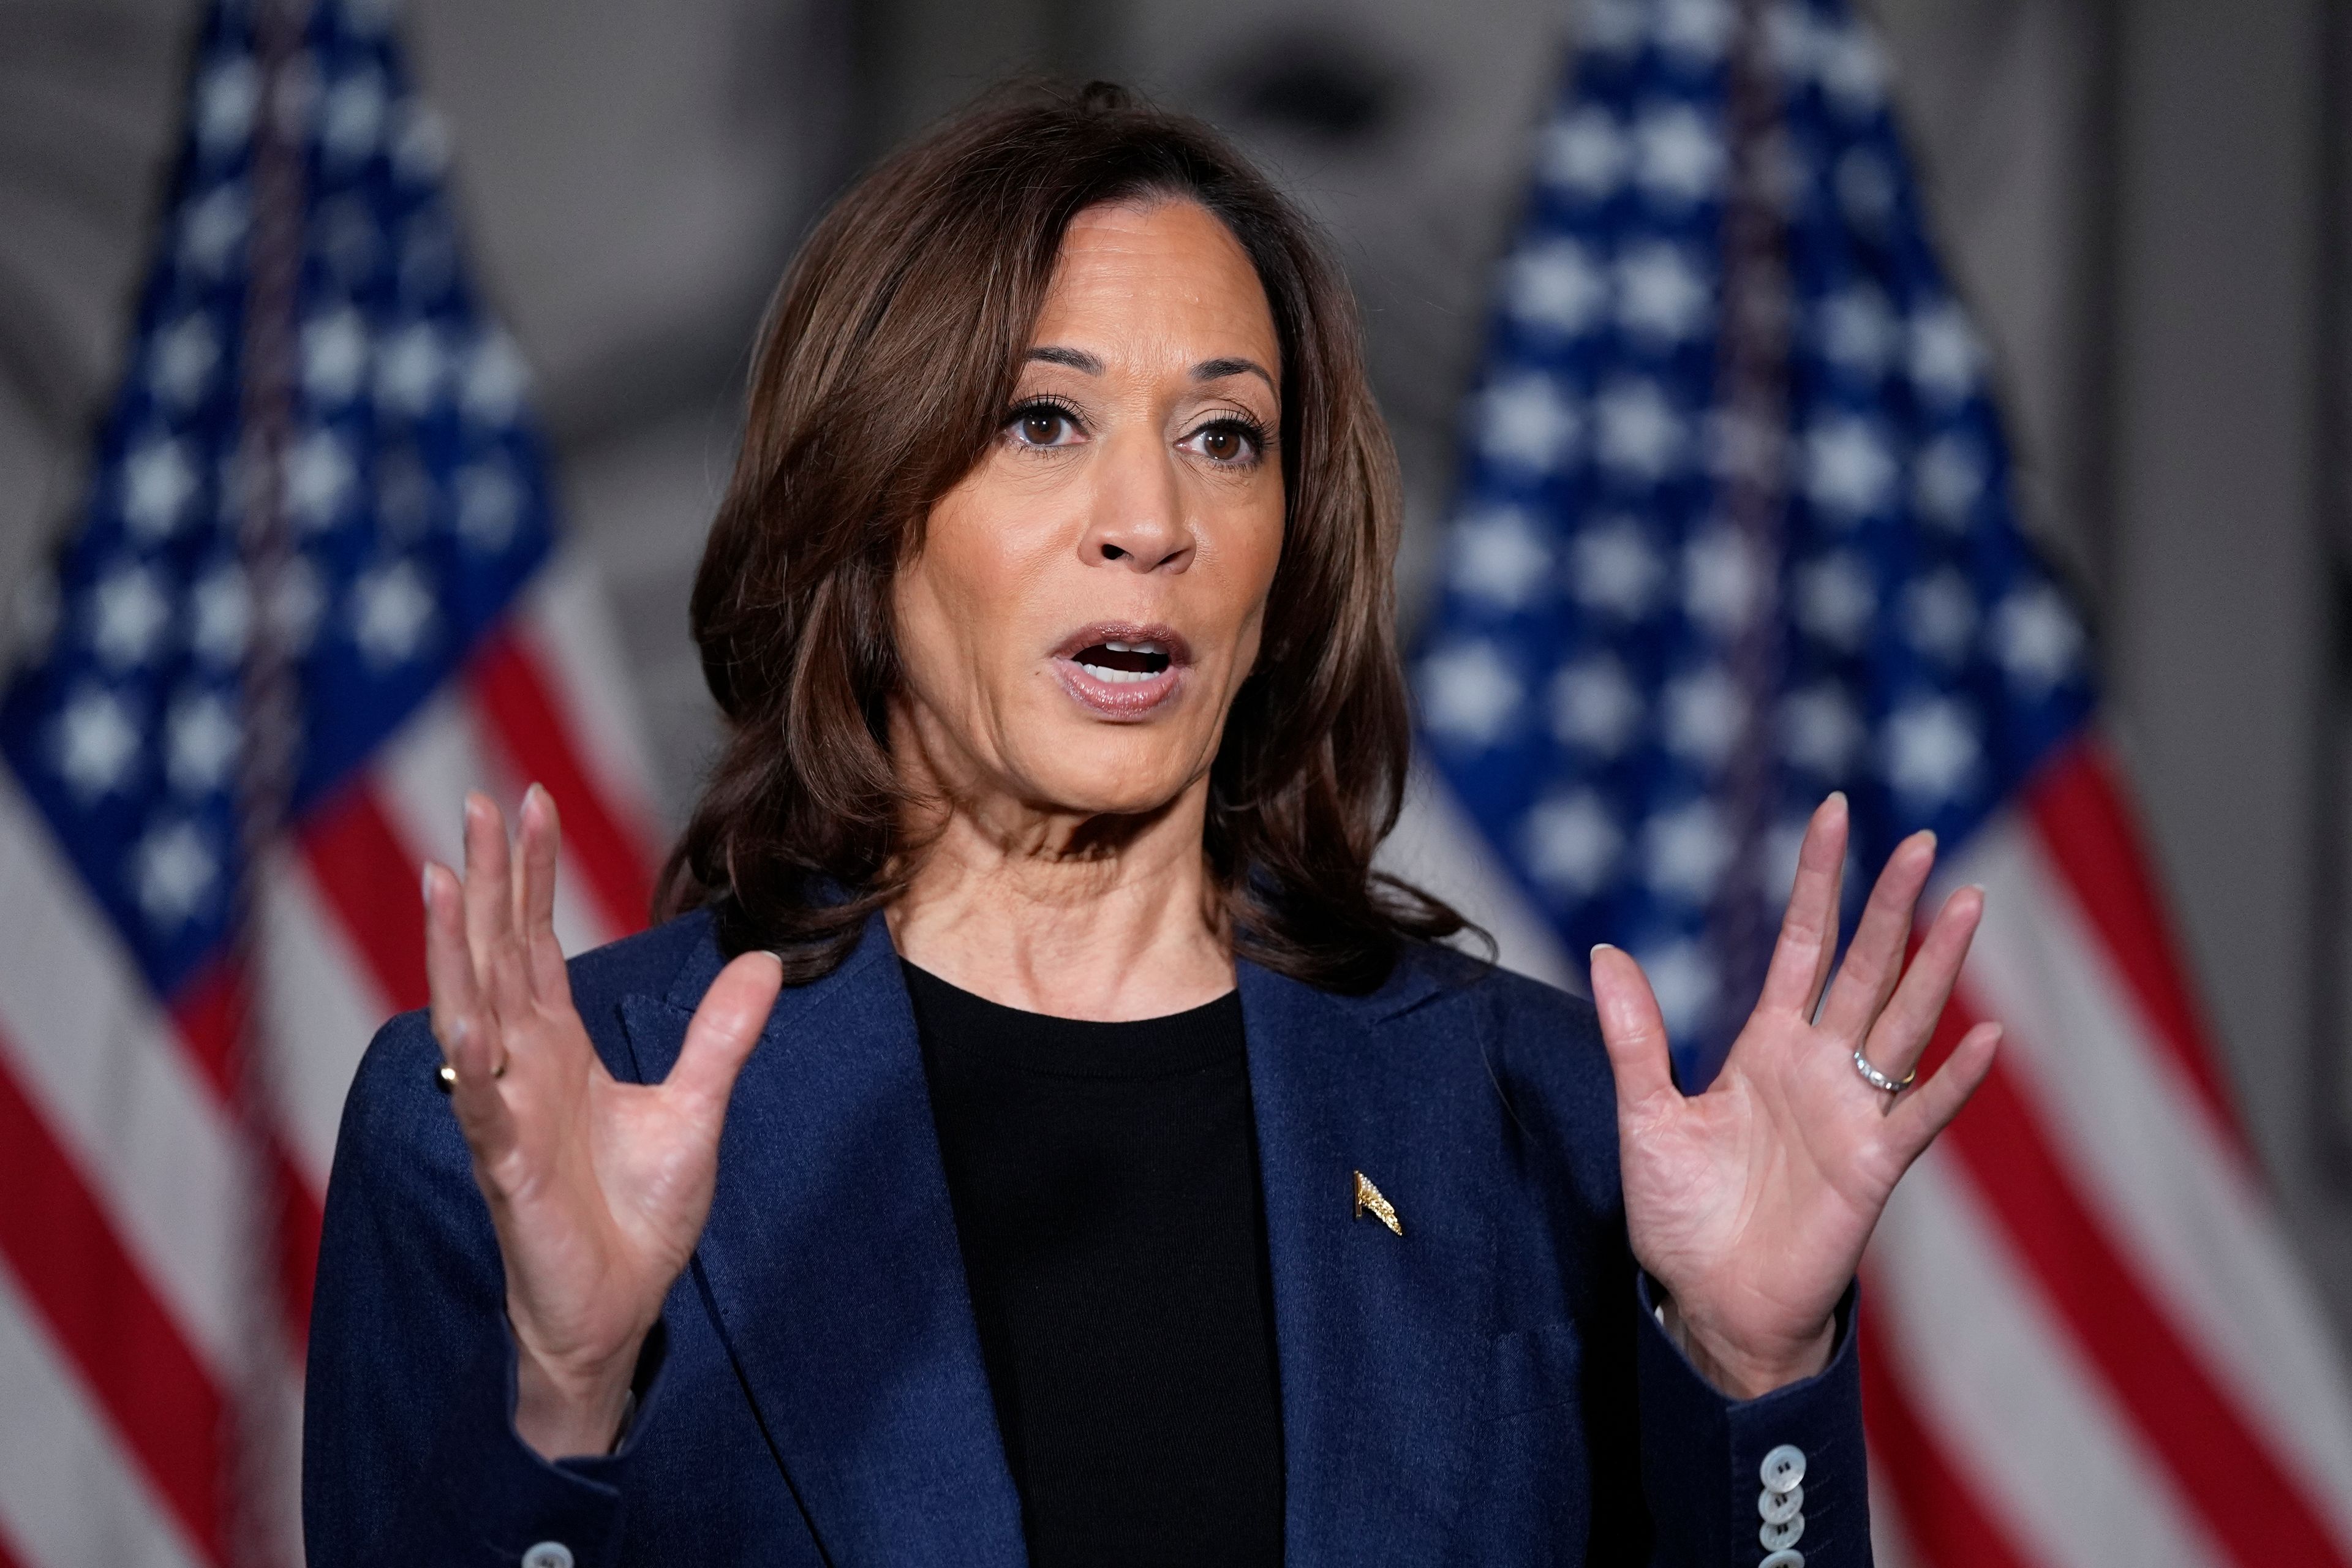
(887,366)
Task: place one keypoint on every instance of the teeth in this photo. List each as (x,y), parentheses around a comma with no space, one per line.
(1134,648)
(1103,672)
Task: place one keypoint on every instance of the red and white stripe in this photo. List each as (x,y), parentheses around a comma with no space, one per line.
(2091,1342)
(132,1288)
(2085,1342)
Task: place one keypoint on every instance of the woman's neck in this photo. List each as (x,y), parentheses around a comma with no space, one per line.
(1059,912)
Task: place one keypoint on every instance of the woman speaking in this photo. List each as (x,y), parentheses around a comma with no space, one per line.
(1042,1137)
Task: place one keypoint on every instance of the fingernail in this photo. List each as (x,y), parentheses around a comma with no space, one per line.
(1929,835)
(1836,797)
(425,884)
(1598,949)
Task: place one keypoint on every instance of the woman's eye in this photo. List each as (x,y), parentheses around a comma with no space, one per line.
(1228,441)
(1043,425)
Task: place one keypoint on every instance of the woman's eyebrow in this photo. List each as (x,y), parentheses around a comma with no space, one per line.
(1076,359)
(1207,369)
(1216,369)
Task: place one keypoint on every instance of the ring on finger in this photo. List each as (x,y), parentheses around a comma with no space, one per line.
(1879,1080)
(444,1076)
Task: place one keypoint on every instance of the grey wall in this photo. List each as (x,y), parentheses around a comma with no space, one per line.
(2217,634)
(83,107)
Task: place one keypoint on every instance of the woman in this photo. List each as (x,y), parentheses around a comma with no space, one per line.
(1044,1134)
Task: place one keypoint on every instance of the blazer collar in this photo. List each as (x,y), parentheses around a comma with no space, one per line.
(831,1264)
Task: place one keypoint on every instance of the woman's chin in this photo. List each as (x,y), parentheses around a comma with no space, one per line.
(1089,778)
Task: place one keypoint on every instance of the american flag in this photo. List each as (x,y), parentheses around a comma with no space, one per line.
(1735,528)
(314,594)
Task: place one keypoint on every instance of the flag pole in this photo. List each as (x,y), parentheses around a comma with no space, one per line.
(265,1442)
(1751,465)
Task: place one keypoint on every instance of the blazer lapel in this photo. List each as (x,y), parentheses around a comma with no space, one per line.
(1381,1339)
(831,1263)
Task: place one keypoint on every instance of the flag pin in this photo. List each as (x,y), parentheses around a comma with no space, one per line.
(1367,1197)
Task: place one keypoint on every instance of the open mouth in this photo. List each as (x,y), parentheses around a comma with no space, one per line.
(1121,662)
(1121,670)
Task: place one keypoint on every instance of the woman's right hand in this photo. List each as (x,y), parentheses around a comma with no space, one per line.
(598,1189)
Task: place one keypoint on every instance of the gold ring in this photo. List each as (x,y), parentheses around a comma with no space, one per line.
(444,1076)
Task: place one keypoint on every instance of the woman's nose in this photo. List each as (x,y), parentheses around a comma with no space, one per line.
(1137,519)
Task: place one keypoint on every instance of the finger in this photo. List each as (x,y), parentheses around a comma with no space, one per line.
(538,839)
(486,1120)
(1873,959)
(1800,958)
(498,968)
(456,1003)
(724,1029)
(1918,1116)
(1631,1028)
(1900,1036)
(468,1038)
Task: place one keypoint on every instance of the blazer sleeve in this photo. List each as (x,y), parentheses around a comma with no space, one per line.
(1775,1482)
(409,1450)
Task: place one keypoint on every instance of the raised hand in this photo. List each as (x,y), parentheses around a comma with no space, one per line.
(598,1189)
(1751,1203)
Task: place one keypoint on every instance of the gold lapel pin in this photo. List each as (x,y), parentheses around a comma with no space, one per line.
(1367,1197)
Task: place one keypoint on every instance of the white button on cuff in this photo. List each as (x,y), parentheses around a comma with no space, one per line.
(1781,1536)
(548,1554)
(1783,1560)
(1776,1507)
(1782,1468)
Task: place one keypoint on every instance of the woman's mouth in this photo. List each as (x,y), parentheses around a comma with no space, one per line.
(1122,672)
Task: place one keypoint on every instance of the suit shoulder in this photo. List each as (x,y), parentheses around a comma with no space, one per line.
(647,962)
(1523,1001)
(1541,1046)
(1516,1006)
(397,1132)
(1550,1036)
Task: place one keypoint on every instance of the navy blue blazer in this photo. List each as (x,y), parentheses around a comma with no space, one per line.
(1488,1388)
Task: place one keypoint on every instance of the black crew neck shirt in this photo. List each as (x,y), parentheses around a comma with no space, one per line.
(1105,1182)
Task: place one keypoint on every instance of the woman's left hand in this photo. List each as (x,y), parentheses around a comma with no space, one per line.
(1751,1203)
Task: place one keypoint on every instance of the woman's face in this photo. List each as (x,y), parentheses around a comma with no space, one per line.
(1090,596)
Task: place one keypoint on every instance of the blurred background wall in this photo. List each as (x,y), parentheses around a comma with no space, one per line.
(2145,202)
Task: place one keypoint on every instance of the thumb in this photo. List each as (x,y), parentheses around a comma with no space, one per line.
(1632,1027)
(725,1028)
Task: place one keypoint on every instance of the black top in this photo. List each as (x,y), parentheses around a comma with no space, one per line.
(1106,1191)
